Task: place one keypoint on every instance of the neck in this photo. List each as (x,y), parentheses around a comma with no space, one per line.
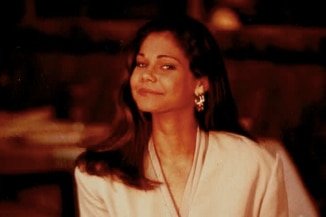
(174,135)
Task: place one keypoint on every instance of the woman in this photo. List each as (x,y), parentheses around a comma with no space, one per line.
(178,149)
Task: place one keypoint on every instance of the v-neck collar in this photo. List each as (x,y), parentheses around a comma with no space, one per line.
(192,180)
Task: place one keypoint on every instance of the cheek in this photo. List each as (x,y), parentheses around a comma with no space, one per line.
(133,85)
(180,89)
(133,80)
(183,84)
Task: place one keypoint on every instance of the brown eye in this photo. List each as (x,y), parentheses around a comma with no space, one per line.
(140,64)
(168,67)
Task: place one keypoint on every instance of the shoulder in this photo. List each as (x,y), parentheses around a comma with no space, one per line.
(83,179)
(94,188)
(232,141)
(97,183)
(93,184)
(241,149)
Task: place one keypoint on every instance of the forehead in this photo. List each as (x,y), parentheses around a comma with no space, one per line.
(161,42)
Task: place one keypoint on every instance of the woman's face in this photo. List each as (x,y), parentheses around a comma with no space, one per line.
(162,80)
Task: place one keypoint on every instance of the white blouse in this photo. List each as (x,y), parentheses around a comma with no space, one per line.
(231,176)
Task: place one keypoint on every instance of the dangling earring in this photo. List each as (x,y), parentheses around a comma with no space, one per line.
(199,101)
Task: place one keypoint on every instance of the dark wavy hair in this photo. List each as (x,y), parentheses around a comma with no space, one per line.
(122,154)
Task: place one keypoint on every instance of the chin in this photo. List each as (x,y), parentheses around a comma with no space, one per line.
(149,110)
(153,110)
(149,105)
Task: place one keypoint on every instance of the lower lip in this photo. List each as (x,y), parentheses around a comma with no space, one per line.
(143,92)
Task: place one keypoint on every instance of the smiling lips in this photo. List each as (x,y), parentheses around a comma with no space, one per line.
(145,92)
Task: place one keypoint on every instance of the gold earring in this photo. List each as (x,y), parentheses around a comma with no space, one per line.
(199,102)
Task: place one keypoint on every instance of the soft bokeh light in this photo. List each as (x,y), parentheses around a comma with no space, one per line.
(225,19)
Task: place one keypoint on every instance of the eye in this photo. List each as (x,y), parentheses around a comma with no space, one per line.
(140,64)
(168,67)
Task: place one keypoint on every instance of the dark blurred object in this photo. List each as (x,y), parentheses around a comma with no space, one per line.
(103,9)
(11,13)
(291,12)
(77,41)
(22,85)
(27,194)
(62,101)
(58,8)
(130,9)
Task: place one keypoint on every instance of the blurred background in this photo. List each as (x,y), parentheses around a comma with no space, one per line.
(61,65)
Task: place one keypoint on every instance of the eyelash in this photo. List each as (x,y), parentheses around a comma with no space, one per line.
(164,67)
(168,67)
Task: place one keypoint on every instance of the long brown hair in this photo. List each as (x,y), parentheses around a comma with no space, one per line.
(122,154)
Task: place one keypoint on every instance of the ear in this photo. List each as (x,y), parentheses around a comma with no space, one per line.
(202,85)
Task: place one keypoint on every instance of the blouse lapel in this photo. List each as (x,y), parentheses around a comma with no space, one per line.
(192,181)
(167,199)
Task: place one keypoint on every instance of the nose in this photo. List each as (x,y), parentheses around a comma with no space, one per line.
(148,75)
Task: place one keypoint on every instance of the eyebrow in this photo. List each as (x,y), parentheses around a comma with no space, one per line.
(161,56)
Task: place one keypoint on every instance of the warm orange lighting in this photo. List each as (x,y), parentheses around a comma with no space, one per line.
(225,19)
